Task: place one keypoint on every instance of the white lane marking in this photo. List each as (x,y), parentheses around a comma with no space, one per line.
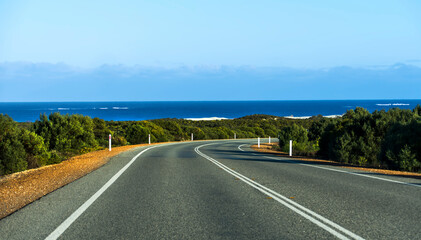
(297,208)
(337,170)
(66,224)
(342,171)
(239,147)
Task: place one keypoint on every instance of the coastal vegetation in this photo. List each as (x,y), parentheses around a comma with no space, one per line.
(383,139)
(57,137)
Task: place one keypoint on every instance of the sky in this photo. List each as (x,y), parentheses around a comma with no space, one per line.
(163,34)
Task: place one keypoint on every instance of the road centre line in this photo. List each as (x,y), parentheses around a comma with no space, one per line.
(336,170)
(315,218)
(75,215)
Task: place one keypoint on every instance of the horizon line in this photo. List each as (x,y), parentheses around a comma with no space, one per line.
(415,63)
(106,101)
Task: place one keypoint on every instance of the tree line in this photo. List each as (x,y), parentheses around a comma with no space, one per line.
(57,137)
(388,139)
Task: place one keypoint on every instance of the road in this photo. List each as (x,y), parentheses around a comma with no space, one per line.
(221,190)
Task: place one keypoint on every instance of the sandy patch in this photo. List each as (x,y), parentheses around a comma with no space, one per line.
(206,119)
(307,117)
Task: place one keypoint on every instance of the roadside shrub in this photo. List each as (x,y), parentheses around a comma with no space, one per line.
(12,155)
(19,148)
(198,134)
(137,134)
(308,149)
(293,132)
(401,147)
(66,133)
(101,132)
(37,154)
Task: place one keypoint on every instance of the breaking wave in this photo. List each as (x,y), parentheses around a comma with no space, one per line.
(392,104)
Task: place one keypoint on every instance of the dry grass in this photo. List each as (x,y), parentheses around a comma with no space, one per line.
(266,147)
(20,189)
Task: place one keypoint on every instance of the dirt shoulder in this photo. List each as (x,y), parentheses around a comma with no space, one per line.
(266,147)
(19,189)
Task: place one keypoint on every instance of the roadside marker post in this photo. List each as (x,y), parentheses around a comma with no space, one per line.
(258,142)
(235,136)
(192,136)
(290,148)
(149,139)
(269,139)
(109,142)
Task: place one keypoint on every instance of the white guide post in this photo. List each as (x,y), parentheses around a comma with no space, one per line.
(149,139)
(192,136)
(290,148)
(269,139)
(109,142)
(235,136)
(258,142)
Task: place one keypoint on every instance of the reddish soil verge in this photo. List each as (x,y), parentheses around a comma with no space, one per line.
(19,189)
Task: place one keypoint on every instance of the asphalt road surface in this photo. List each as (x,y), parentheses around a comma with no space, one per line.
(221,190)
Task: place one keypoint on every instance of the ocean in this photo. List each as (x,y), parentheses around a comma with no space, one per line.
(122,111)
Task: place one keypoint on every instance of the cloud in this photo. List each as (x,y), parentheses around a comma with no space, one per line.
(60,82)
(413,61)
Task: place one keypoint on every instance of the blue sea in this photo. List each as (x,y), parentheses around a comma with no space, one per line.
(122,111)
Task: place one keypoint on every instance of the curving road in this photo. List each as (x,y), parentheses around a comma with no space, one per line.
(221,190)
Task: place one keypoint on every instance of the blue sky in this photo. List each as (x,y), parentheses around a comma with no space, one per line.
(268,33)
(175,34)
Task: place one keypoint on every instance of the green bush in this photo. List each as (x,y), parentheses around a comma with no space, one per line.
(19,148)
(294,132)
(37,154)
(137,134)
(401,147)
(67,133)
(389,139)
(101,132)
(12,155)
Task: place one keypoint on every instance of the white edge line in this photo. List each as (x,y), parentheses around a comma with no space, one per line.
(239,147)
(284,200)
(337,170)
(342,171)
(75,215)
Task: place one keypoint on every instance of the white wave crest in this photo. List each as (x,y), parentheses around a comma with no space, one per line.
(118,108)
(103,108)
(392,104)
(307,117)
(63,109)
